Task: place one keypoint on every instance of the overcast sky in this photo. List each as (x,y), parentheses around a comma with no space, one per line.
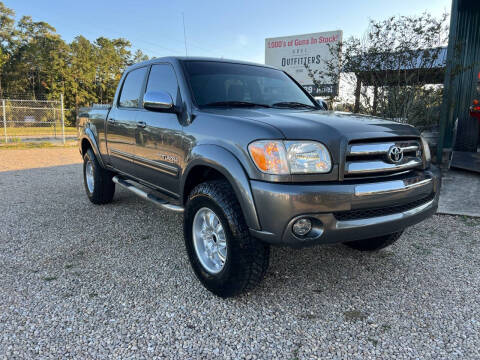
(230,29)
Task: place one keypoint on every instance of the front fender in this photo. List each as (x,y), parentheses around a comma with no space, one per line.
(228,165)
(87,134)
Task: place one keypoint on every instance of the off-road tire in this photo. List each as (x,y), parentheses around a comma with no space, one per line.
(247,258)
(374,244)
(104,187)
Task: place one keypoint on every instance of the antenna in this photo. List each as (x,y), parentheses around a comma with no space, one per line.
(184,34)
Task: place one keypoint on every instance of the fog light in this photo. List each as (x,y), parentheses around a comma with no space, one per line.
(302,227)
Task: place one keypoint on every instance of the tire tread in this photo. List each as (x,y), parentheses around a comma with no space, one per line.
(252,256)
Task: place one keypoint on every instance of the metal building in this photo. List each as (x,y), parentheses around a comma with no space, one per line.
(460,87)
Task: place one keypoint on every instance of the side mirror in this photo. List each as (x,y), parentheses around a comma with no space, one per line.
(157,101)
(323,104)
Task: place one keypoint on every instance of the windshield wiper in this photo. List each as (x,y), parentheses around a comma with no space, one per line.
(293,105)
(235,103)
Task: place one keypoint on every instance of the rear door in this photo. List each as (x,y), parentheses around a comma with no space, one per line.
(159,150)
(122,121)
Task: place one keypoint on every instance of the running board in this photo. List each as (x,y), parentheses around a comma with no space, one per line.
(147,196)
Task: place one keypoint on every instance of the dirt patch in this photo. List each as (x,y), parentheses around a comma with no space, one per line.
(21,159)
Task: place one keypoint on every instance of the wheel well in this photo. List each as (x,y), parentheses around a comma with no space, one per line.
(198,175)
(85,146)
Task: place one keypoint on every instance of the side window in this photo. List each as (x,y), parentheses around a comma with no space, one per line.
(132,87)
(162,78)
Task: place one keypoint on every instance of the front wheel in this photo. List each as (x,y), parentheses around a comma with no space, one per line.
(374,244)
(223,255)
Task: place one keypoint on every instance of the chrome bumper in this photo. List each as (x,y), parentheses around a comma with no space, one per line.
(280,205)
(403,185)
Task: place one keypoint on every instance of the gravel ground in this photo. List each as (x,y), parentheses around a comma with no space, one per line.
(88,281)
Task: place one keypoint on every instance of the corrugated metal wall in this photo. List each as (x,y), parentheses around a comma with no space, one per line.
(463,65)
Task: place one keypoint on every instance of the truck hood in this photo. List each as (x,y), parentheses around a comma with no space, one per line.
(300,124)
(334,129)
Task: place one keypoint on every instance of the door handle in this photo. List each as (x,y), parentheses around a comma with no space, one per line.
(141,124)
(111,120)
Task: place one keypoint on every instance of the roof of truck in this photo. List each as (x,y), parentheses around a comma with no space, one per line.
(195,58)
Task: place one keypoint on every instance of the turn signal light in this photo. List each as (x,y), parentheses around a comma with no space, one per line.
(269,156)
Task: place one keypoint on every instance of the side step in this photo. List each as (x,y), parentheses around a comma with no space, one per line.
(147,196)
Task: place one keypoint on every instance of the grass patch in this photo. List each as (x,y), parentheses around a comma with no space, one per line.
(386,327)
(469,221)
(40,130)
(421,249)
(26,145)
(295,353)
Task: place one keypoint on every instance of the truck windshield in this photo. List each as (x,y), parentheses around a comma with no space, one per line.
(228,84)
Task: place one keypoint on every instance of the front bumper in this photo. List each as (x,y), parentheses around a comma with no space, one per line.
(346,211)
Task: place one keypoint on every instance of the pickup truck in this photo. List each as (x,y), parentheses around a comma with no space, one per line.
(252,160)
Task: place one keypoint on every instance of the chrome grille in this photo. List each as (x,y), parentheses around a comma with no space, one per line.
(382,157)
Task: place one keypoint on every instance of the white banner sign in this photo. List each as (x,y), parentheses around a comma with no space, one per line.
(293,53)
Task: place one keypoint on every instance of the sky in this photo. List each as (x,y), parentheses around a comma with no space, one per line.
(215,28)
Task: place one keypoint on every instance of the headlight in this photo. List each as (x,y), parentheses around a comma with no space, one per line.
(290,157)
(426,152)
(305,157)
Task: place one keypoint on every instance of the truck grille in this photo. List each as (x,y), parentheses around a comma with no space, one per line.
(381,158)
(387,210)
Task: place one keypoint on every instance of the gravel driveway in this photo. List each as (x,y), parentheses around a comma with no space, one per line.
(79,280)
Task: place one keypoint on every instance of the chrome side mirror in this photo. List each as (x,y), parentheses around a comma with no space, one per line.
(157,101)
(322,103)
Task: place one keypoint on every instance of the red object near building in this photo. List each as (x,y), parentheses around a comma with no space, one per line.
(475,108)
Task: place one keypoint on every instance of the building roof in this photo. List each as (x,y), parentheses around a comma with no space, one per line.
(434,58)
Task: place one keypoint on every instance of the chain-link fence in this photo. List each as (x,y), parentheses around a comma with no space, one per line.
(26,120)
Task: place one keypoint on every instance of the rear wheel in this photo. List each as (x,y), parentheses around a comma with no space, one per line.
(223,255)
(374,244)
(98,182)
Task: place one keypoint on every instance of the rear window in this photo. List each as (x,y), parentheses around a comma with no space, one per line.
(132,88)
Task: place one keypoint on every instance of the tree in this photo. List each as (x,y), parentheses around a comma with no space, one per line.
(390,70)
(35,62)
(7,34)
(82,73)
(138,56)
(113,56)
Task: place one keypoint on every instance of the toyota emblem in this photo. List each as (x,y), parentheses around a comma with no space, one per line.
(395,154)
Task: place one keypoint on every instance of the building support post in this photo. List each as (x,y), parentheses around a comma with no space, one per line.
(375,100)
(358,88)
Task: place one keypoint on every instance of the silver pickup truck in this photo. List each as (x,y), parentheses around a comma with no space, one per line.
(252,160)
